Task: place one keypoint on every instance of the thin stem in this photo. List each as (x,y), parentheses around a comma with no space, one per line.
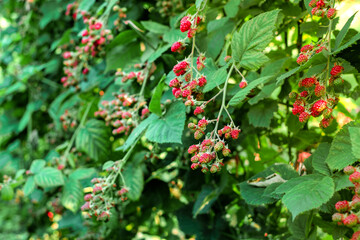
(239,72)
(192,54)
(82,122)
(329,49)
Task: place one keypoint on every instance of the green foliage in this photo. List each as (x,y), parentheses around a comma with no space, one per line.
(49,177)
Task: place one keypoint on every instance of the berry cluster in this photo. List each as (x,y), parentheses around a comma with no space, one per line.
(321,8)
(206,153)
(139,75)
(121,15)
(72,8)
(317,98)
(102,198)
(348,212)
(122,113)
(93,42)
(68,120)
(307,51)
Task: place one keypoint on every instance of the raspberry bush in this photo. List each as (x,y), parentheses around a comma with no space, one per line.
(179,119)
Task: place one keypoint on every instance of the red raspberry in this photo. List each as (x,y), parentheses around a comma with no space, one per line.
(198,20)
(351,220)
(243,84)
(226,129)
(177,47)
(202,81)
(302,59)
(202,123)
(336,70)
(227,58)
(205,158)
(320,90)
(312,3)
(188,77)
(85,33)
(319,105)
(235,134)
(342,206)
(355,177)
(297,109)
(85,71)
(337,217)
(97,189)
(195,166)
(304,116)
(185,24)
(307,82)
(320,4)
(174,83)
(319,50)
(307,48)
(87,197)
(67,55)
(97,25)
(184,19)
(181,68)
(62,166)
(193,149)
(191,33)
(331,13)
(198,110)
(85,207)
(145,112)
(186,93)
(325,122)
(200,62)
(349,170)
(193,84)
(314,10)
(304,93)
(356,236)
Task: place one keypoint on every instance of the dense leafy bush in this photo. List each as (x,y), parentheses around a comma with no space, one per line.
(179,119)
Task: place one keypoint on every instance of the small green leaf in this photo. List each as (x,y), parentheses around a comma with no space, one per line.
(29,186)
(155,27)
(340,37)
(134,180)
(231,8)
(353,40)
(341,151)
(85,5)
(93,139)
(72,195)
(137,132)
(355,140)
(342,181)
(241,95)
(82,173)
(319,157)
(261,114)
(7,192)
(124,37)
(155,103)
(204,200)
(168,129)
(249,43)
(216,79)
(122,56)
(37,165)
(49,177)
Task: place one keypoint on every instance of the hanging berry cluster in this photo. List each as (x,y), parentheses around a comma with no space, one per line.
(105,194)
(123,113)
(321,8)
(68,120)
(348,212)
(206,154)
(307,51)
(318,97)
(139,75)
(93,42)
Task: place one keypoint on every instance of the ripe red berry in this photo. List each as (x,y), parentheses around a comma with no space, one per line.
(67,55)
(177,47)
(297,109)
(97,189)
(198,110)
(325,122)
(348,170)
(307,48)
(85,71)
(185,25)
(202,123)
(320,90)
(342,206)
(314,10)
(85,33)
(304,116)
(320,4)
(174,83)
(191,33)
(304,93)
(195,166)
(331,13)
(319,105)
(193,149)
(145,112)
(355,177)
(356,236)
(181,68)
(97,25)
(336,70)
(202,81)
(235,133)
(302,59)
(351,220)
(186,93)
(87,197)
(243,84)
(307,82)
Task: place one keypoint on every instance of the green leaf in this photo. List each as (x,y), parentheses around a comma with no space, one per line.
(155,102)
(49,177)
(340,37)
(85,5)
(291,183)
(217,31)
(204,200)
(134,180)
(198,3)
(319,157)
(29,186)
(231,8)
(241,95)
(168,129)
(155,27)
(340,154)
(51,11)
(93,139)
(72,195)
(37,166)
(158,52)
(30,108)
(261,114)
(254,36)
(309,195)
(355,140)
(122,38)
(216,79)
(7,192)
(82,173)
(342,181)
(353,40)
(137,132)
(122,56)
